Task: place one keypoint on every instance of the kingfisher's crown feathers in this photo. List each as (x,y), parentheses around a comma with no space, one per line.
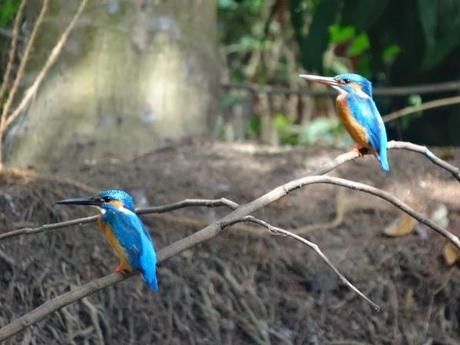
(120,195)
(365,84)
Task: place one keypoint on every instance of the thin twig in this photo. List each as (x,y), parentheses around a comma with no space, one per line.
(207,233)
(22,65)
(338,161)
(403,145)
(278,231)
(392,145)
(281,191)
(52,58)
(443,102)
(188,203)
(45,227)
(12,52)
(146,210)
(10,34)
(384,91)
(379,91)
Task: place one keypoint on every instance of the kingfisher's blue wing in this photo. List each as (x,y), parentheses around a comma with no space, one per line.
(367,115)
(136,241)
(149,261)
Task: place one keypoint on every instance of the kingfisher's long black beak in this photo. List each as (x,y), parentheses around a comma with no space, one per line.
(78,201)
(318,79)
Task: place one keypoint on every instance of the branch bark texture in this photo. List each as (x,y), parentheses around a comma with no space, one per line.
(240,213)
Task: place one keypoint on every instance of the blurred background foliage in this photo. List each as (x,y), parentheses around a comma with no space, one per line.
(392,42)
(8,10)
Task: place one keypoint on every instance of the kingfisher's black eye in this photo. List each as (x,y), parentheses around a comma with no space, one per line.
(102,199)
(346,80)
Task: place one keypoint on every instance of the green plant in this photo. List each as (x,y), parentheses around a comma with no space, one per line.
(8,9)
(324,131)
(287,132)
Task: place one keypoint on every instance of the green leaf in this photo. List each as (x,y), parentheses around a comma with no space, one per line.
(359,46)
(340,34)
(7,11)
(287,131)
(282,122)
(255,124)
(407,120)
(390,53)
(321,130)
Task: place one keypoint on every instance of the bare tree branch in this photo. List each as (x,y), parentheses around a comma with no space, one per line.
(188,203)
(403,145)
(278,231)
(443,102)
(10,34)
(52,58)
(379,91)
(392,145)
(22,65)
(213,229)
(146,210)
(12,52)
(209,232)
(338,161)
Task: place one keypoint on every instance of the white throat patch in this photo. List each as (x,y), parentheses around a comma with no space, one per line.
(126,211)
(362,94)
(341,91)
(100,209)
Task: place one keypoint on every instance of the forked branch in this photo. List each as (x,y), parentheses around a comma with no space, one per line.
(143,210)
(52,58)
(238,215)
(338,161)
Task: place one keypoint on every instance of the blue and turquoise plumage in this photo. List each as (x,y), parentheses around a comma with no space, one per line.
(125,232)
(365,112)
(358,112)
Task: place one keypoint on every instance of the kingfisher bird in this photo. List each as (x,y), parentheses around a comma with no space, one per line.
(358,112)
(124,231)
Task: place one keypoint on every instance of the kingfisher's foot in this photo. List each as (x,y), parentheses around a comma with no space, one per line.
(361,151)
(121,269)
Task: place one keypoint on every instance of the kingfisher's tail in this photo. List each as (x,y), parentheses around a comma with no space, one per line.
(150,278)
(149,265)
(382,156)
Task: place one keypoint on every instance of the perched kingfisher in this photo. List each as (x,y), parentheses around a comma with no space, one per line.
(124,231)
(358,112)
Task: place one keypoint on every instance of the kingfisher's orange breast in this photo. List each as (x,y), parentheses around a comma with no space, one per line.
(357,132)
(114,243)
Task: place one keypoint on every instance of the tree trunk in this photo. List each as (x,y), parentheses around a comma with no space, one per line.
(133,76)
